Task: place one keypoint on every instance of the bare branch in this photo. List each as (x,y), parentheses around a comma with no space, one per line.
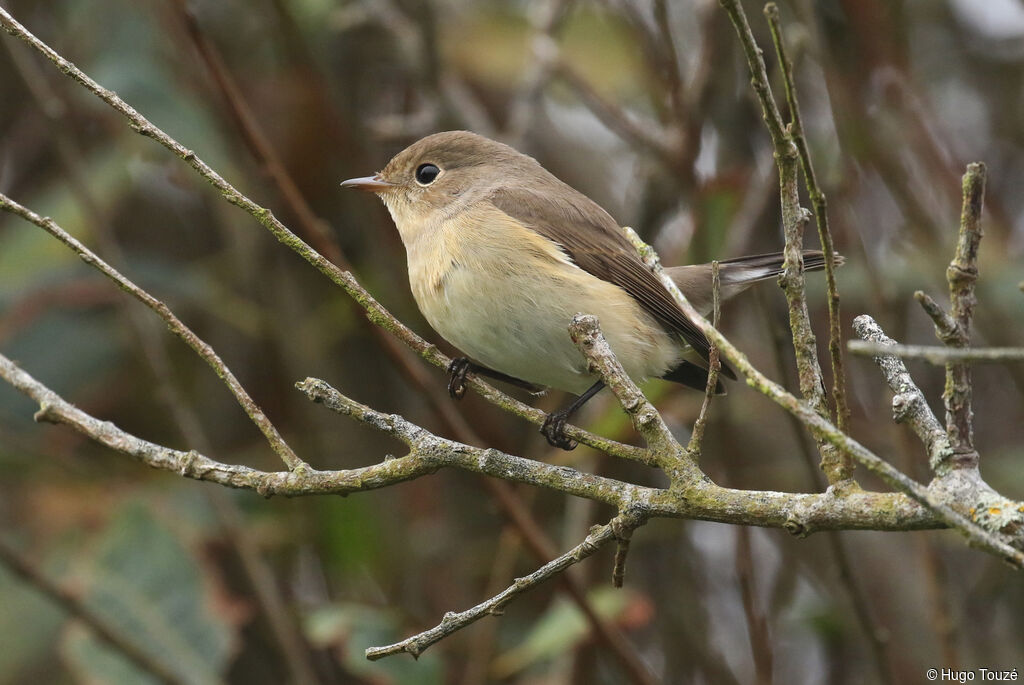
(837,468)
(940,356)
(638,131)
(313,228)
(714,366)
(200,347)
(946,328)
(374,311)
(452,621)
(962,274)
(781,141)
(818,202)
(800,514)
(586,333)
(908,403)
(623,527)
(824,431)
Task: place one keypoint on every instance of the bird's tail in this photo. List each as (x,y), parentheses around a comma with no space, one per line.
(737,274)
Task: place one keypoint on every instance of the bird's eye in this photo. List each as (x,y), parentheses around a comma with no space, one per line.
(426,173)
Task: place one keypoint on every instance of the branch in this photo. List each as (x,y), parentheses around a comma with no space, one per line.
(585,332)
(908,403)
(452,622)
(73,605)
(824,431)
(957,480)
(820,205)
(837,468)
(151,347)
(946,328)
(781,141)
(800,514)
(313,228)
(200,347)
(635,129)
(374,311)
(939,356)
(962,275)
(714,367)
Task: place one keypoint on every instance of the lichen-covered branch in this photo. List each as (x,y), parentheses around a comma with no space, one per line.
(825,431)
(374,311)
(962,275)
(585,332)
(956,482)
(820,205)
(908,403)
(837,468)
(799,513)
(176,326)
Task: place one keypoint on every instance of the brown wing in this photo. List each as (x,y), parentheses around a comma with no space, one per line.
(595,243)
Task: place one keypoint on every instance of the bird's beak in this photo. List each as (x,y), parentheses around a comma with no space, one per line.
(372,184)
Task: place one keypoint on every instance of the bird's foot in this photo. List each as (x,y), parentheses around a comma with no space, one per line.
(554,430)
(457,370)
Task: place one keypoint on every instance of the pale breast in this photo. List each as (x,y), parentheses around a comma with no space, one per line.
(505,295)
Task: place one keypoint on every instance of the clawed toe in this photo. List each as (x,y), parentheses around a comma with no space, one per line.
(554,430)
(457,370)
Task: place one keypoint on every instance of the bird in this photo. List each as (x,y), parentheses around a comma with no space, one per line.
(502,255)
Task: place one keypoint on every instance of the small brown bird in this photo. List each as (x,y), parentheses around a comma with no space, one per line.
(502,255)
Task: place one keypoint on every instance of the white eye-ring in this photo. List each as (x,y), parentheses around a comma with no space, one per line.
(426,173)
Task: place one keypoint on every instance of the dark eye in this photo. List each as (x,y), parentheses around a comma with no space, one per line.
(426,173)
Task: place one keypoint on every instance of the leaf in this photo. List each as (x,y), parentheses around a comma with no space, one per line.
(147,585)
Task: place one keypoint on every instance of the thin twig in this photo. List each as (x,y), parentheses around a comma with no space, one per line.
(714,366)
(605,631)
(375,312)
(820,205)
(940,356)
(71,603)
(875,633)
(946,327)
(200,347)
(781,141)
(623,527)
(633,128)
(150,344)
(452,621)
(825,431)
(837,468)
(314,229)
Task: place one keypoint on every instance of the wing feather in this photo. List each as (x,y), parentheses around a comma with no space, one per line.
(593,240)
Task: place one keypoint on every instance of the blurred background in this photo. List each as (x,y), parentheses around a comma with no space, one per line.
(643,105)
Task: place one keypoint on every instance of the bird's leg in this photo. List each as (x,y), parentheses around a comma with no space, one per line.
(554,425)
(460,366)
